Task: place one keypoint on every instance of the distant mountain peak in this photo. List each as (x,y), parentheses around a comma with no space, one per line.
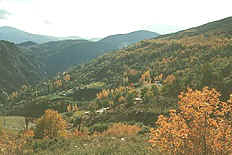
(19,36)
(124,40)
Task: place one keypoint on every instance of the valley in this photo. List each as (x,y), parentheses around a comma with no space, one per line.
(137,93)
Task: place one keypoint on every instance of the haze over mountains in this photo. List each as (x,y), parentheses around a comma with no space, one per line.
(19,36)
(57,56)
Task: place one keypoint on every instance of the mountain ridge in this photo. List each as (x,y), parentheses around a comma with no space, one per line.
(184,54)
(16,68)
(72,52)
(19,36)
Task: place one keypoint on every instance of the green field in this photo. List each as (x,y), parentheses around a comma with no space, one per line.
(15,123)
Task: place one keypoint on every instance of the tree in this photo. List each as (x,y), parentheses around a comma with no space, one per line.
(50,125)
(201,125)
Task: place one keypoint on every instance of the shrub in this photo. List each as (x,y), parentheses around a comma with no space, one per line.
(98,128)
(200,125)
(28,133)
(50,125)
(77,133)
(144,130)
(1,131)
(49,144)
(120,130)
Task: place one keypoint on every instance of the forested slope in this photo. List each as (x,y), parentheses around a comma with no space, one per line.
(197,57)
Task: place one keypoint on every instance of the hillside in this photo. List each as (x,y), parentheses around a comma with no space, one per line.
(111,103)
(18,36)
(196,57)
(123,40)
(169,66)
(61,55)
(15,67)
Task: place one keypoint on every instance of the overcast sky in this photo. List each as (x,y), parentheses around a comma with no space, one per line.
(99,18)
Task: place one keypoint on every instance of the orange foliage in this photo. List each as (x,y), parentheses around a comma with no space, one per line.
(121,99)
(103,94)
(120,130)
(51,125)
(28,133)
(11,145)
(14,95)
(146,77)
(58,83)
(77,133)
(72,108)
(67,77)
(201,125)
(159,78)
(170,79)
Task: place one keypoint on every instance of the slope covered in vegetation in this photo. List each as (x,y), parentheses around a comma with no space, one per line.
(57,56)
(196,57)
(16,68)
(116,98)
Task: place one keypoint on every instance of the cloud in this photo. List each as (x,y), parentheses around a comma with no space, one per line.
(4,14)
(47,22)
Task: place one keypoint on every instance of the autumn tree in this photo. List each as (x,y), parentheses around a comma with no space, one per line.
(67,77)
(116,96)
(50,125)
(72,108)
(146,77)
(201,125)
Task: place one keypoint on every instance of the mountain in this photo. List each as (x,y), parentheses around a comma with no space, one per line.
(19,36)
(154,70)
(61,55)
(27,44)
(123,40)
(71,38)
(94,39)
(16,68)
(196,57)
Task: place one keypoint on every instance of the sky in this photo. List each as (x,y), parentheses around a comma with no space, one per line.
(100,18)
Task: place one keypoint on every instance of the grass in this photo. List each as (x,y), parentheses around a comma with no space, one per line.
(15,123)
(96,85)
(104,145)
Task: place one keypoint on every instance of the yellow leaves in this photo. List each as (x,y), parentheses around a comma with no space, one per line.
(58,83)
(103,94)
(72,108)
(170,79)
(121,99)
(77,133)
(67,77)
(120,130)
(159,77)
(199,122)
(14,95)
(146,77)
(50,125)
(28,133)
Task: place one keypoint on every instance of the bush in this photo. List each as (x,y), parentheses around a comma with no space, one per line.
(1,131)
(98,128)
(50,125)
(49,144)
(120,130)
(144,130)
